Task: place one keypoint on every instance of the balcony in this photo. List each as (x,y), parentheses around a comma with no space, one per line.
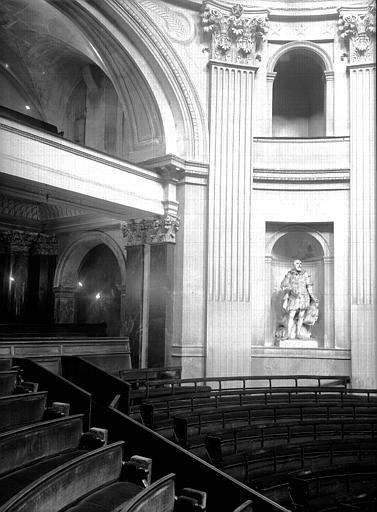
(304,162)
(38,162)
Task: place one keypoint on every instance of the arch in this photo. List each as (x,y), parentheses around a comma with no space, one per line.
(298,227)
(306,47)
(183,117)
(69,262)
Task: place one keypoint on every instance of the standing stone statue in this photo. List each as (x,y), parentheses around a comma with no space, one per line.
(300,307)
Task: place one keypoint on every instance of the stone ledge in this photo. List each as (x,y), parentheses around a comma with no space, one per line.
(301,353)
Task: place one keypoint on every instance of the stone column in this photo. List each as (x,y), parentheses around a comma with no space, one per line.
(328,302)
(19,243)
(329,102)
(270,96)
(156,237)
(237,35)
(357,27)
(64,306)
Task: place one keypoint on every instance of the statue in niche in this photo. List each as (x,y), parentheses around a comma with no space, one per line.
(300,307)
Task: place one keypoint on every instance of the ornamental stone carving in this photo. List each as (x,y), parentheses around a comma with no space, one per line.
(236,36)
(45,245)
(18,241)
(358,29)
(150,231)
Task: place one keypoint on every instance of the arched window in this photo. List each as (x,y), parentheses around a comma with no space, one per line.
(298,100)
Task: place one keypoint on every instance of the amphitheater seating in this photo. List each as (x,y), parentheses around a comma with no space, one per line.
(199,423)
(158,411)
(233,441)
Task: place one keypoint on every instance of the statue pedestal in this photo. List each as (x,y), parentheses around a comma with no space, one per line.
(298,343)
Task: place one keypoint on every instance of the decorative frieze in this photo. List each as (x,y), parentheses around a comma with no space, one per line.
(17,241)
(358,29)
(150,231)
(237,36)
(45,245)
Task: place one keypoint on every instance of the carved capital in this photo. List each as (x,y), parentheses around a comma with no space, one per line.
(18,241)
(236,36)
(150,231)
(45,245)
(358,29)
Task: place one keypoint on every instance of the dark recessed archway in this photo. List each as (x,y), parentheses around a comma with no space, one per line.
(298,105)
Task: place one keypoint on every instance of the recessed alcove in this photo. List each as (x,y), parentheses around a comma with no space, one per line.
(312,244)
(298,103)
(98,294)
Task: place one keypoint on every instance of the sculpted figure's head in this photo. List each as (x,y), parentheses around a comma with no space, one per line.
(297,265)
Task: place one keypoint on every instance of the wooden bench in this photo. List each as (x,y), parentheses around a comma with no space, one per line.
(155,411)
(283,459)
(139,376)
(5,364)
(24,445)
(186,425)
(59,389)
(18,410)
(71,482)
(232,441)
(158,497)
(93,379)
(348,478)
(46,330)
(7,382)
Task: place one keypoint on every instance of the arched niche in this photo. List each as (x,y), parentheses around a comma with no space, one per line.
(312,247)
(98,293)
(300,80)
(67,274)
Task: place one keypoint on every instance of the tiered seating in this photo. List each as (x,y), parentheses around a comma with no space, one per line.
(261,434)
(224,493)
(48,465)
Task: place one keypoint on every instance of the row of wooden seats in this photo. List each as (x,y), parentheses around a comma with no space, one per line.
(258,463)
(39,456)
(159,410)
(33,330)
(108,414)
(199,423)
(232,441)
(159,387)
(138,377)
(356,477)
(44,434)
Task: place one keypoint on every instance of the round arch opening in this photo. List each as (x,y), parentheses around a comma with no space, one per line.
(298,98)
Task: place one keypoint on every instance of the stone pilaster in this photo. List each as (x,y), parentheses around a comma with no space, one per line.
(64,305)
(236,43)
(357,27)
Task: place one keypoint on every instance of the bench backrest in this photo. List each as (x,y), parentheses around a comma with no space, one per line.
(21,446)
(17,410)
(158,497)
(73,480)
(7,382)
